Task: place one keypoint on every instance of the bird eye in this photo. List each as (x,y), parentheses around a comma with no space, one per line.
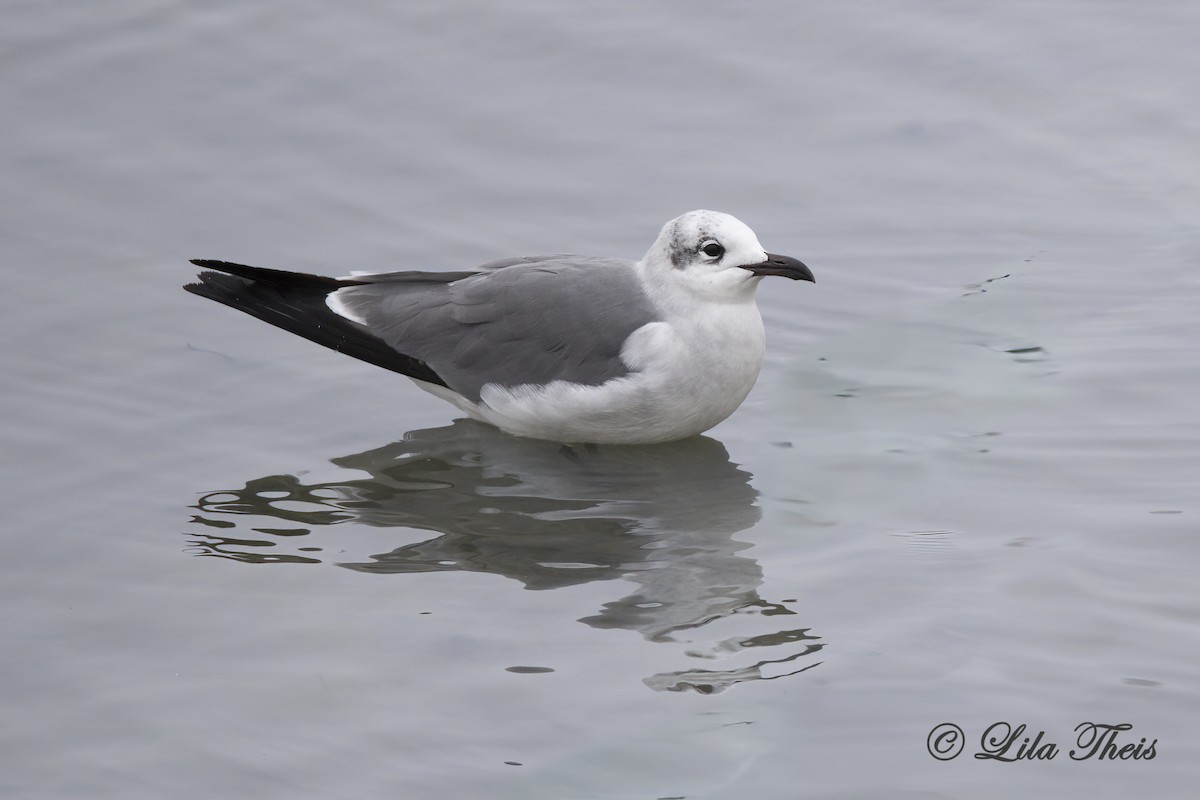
(712,249)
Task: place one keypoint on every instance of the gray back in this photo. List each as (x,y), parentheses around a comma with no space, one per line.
(523,321)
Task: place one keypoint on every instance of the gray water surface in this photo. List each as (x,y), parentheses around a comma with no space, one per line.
(964,489)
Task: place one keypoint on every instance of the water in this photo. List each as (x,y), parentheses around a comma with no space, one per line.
(963,490)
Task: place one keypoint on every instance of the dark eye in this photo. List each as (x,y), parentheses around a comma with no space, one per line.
(712,249)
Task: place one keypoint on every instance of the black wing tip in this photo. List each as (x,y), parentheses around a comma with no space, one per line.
(295,302)
(219,265)
(205,282)
(219,286)
(221,269)
(274,277)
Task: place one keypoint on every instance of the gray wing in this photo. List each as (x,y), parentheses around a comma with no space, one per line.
(528,322)
(517,260)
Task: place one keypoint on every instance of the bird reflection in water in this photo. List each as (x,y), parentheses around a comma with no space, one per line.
(662,517)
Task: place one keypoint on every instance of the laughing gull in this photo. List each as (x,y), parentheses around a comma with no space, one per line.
(569,348)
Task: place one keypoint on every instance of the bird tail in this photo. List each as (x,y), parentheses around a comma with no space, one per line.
(296,302)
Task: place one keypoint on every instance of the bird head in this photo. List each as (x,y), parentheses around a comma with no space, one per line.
(716,255)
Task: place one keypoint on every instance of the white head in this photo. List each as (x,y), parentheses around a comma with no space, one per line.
(716,256)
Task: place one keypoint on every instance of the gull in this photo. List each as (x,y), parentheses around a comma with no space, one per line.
(575,349)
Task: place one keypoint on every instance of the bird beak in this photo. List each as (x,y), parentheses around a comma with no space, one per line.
(784,266)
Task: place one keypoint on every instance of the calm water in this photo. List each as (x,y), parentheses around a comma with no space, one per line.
(963,491)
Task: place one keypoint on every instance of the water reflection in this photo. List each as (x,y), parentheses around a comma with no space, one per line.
(661,517)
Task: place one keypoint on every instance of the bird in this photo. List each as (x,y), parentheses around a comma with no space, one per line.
(573,349)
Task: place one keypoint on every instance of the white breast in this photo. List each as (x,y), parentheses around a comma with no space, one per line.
(688,375)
